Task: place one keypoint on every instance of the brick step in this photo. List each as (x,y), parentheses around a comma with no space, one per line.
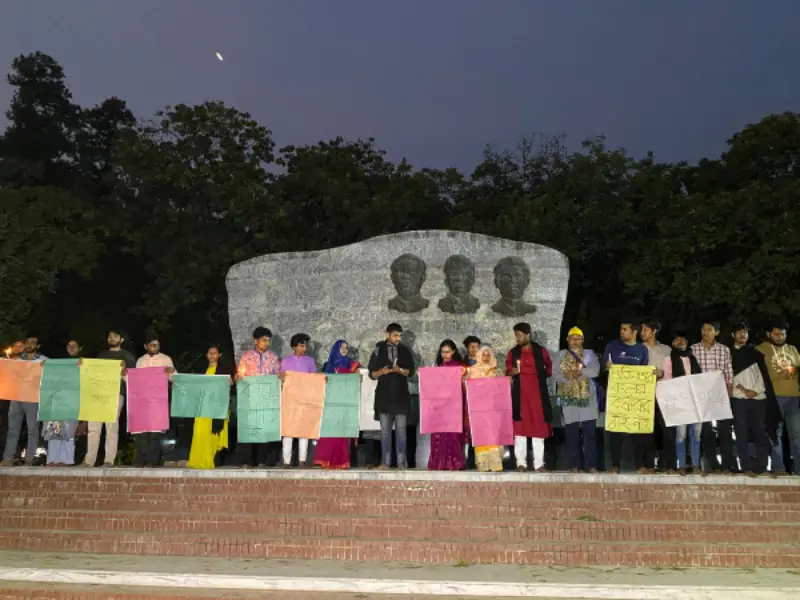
(367,528)
(525,491)
(653,554)
(407,507)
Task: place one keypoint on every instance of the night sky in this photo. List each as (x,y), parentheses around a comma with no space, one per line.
(435,80)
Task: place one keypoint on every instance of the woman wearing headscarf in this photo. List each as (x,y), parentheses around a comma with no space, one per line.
(487,458)
(209,436)
(334,453)
(577,395)
(447,449)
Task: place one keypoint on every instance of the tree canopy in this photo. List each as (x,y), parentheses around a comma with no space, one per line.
(106,220)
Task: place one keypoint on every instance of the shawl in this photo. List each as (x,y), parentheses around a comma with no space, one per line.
(482,369)
(677,363)
(573,392)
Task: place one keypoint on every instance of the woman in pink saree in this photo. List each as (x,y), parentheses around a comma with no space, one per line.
(447,449)
(334,453)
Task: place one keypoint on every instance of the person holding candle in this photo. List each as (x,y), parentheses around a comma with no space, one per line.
(13,352)
(487,458)
(258,361)
(529,366)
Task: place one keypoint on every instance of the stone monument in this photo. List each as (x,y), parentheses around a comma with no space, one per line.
(436,284)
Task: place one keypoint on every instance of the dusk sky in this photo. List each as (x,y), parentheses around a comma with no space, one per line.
(434,80)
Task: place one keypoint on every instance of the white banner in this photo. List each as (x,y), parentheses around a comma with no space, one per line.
(694,399)
(367,420)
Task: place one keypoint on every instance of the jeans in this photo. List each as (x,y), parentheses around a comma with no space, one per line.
(148,449)
(400,423)
(694,432)
(17,411)
(572,433)
(748,423)
(790,409)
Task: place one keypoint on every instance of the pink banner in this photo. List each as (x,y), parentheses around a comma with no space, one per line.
(441,400)
(490,415)
(148,404)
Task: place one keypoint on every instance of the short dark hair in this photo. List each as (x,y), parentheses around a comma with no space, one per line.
(680,333)
(119,332)
(153,337)
(523,328)
(471,339)
(739,326)
(634,324)
(260,332)
(394,328)
(714,323)
(777,324)
(652,323)
(299,338)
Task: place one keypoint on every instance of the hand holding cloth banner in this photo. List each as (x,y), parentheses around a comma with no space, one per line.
(200,396)
(440,400)
(631,399)
(699,398)
(20,380)
(490,414)
(302,405)
(99,390)
(148,400)
(258,409)
(60,391)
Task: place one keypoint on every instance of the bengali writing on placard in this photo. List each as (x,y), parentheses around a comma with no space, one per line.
(630,403)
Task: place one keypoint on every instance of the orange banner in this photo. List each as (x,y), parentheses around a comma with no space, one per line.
(20,379)
(301,406)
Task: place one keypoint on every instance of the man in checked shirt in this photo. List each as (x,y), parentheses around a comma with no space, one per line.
(713,356)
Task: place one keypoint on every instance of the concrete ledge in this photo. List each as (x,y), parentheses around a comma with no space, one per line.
(482,589)
(410,475)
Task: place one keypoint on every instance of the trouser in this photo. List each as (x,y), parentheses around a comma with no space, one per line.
(748,423)
(642,448)
(790,409)
(572,433)
(725,431)
(148,449)
(666,451)
(17,412)
(693,432)
(302,450)
(61,452)
(400,423)
(112,439)
(254,455)
(4,406)
(521,451)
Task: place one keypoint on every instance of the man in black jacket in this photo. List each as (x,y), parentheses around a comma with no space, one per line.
(391,364)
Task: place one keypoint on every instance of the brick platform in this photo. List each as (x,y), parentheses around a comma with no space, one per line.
(410,516)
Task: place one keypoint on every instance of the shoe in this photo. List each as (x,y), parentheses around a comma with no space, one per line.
(751,474)
(521,468)
(574,470)
(286,466)
(382,467)
(592,471)
(642,471)
(614,470)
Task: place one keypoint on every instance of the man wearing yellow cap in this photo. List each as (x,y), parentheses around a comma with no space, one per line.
(577,396)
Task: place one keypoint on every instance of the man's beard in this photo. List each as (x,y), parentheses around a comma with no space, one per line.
(781,343)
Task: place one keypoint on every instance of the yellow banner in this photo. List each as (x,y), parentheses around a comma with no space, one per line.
(631,399)
(100,390)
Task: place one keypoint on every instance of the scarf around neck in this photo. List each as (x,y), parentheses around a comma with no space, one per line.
(573,392)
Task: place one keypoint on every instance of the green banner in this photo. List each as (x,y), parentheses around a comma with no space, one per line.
(60,391)
(342,405)
(258,418)
(200,396)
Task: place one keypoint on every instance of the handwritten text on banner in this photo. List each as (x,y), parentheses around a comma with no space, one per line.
(631,399)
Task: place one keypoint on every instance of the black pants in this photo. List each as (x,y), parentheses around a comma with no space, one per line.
(573,445)
(148,449)
(667,454)
(748,423)
(709,443)
(641,443)
(254,455)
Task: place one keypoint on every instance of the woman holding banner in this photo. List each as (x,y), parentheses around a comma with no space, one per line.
(447,449)
(487,458)
(334,453)
(210,435)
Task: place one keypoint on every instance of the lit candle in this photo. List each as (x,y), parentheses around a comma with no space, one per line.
(242,371)
(519,368)
(8,352)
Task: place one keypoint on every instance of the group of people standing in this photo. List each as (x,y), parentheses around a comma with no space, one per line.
(762,384)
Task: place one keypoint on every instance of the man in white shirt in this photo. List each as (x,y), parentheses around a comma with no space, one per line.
(752,391)
(148,444)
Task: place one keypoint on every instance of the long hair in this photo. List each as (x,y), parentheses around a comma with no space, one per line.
(448,344)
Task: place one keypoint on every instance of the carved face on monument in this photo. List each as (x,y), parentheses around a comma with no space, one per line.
(459,277)
(408,275)
(512,277)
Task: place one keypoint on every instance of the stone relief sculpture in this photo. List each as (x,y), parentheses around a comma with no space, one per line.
(408,275)
(459,277)
(512,277)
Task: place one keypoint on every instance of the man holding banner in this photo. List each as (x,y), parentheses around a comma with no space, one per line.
(23,409)
(148,443)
